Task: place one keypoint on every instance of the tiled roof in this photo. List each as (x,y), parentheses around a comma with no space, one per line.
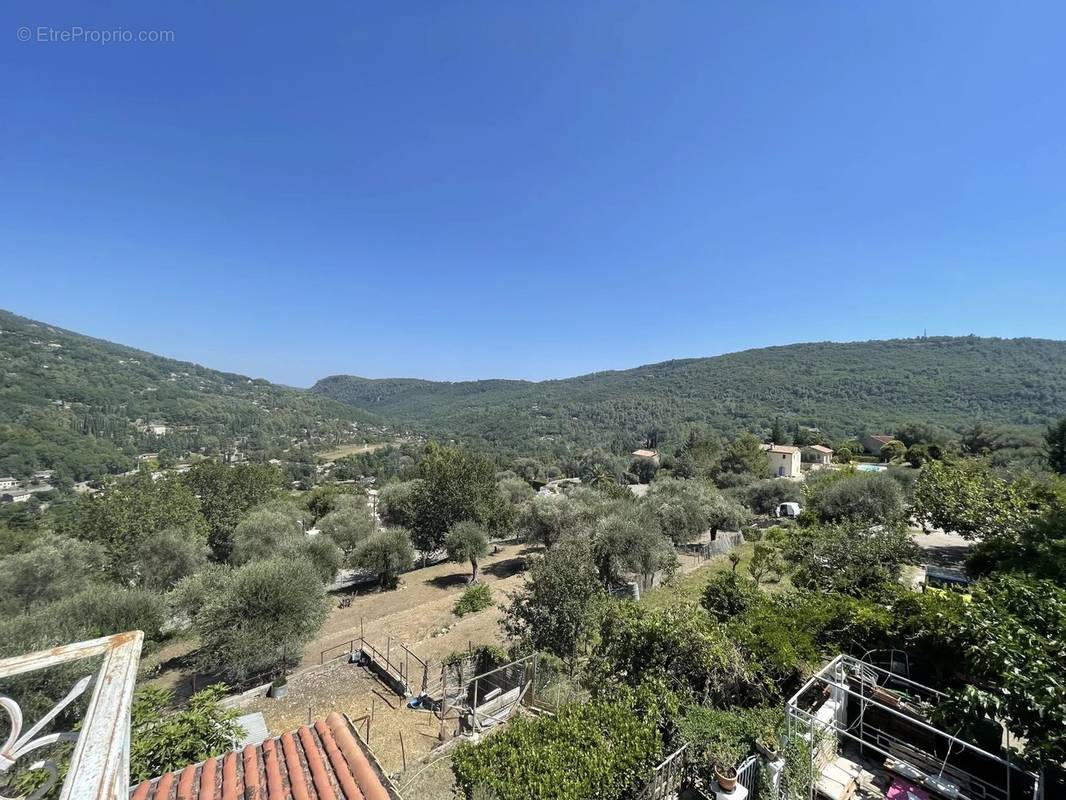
(644,453)
(820,448)
(780,448)
(319,762)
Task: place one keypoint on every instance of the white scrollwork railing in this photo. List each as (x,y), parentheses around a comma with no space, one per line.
(99,764)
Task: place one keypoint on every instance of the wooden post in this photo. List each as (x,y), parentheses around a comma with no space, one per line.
(444,700)
(368,731)
(403,752)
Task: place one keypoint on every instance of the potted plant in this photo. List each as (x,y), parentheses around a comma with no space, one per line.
(279,687)
(766,745)
(726,776)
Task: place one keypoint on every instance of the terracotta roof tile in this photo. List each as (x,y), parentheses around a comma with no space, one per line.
(820,448)
(320,762)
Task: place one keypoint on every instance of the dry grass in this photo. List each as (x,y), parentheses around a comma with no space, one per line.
(352,450)
(687,587)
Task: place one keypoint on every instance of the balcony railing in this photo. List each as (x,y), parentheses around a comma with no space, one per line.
(98,768)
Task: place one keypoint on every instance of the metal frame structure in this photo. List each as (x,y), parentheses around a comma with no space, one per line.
(99,767)
(844,677)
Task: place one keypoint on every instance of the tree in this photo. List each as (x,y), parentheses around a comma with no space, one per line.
(1010,638)
(726,514)
(54,568)
(764,496)
(1056,446)
(627,543)
(918,454)
(164,741)
(118,517)
(743,457)
(349,524)
(322,500)
(777,433)
(325,556)
(912,433)
(679,647)
(226,494)
(259,615)
(893,450)
(163,558)
(467,541)
(386,553)
(546,519)
(684,508)
(852,558)
(872,497)
(979,439)
(396,502)
(968,498)
(556,609)
(262,535)
(456,486)
(516,491)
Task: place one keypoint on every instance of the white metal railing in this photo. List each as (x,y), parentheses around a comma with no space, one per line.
(99,764)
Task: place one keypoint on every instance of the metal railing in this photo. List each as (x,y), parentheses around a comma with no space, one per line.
(99,765)
(396,660)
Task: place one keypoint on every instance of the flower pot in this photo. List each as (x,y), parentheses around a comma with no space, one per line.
(726,777)
(885,697)
(278,691)
(767,750)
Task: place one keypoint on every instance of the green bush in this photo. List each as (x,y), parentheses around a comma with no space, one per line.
(729,594)
(728,735)
(595,750)
(476,597)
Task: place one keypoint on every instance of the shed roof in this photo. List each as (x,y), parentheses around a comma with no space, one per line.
(821,448)
(644,453)
(319,762)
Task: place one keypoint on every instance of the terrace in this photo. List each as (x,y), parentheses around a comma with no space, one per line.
(872,736)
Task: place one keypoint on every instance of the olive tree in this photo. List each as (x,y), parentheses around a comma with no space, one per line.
(259,615)
(467,541)
(386,553)
(163,558)
(348,524)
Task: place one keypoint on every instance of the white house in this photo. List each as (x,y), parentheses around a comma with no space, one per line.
(157,428)
(15,496)
(784,460)
(818,454)
(8,483)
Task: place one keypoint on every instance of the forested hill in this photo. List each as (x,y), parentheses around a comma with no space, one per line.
(844,389)
(71,402)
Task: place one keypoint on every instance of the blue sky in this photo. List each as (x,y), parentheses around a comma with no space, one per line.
(466,190)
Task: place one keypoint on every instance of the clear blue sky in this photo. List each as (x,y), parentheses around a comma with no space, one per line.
(465,190)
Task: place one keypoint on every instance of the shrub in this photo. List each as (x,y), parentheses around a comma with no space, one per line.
(595,750)
(162,742)
(475,598)
(728,594)
(728,735)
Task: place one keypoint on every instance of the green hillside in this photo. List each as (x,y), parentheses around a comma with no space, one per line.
(844,389)
(70,402)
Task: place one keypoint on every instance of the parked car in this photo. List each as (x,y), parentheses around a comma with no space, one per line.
(791,510)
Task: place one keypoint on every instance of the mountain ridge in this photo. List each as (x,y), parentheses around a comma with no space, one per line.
(846,387)
(72,402)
